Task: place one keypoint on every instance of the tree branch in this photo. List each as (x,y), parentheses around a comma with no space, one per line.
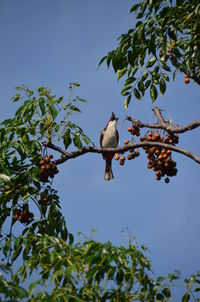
(163,124)
(89,149)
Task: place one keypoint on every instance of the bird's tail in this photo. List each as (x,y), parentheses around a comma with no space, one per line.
(108,170)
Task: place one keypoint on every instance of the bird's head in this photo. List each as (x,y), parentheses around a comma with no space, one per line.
(113,120)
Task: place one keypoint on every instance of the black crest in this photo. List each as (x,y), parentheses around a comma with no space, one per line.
(113,117)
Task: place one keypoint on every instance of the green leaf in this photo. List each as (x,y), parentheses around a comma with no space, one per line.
(102,60)
(16,98)
(137,94)
(134,7)
(76,84)
(54,112)
(127,101)
(151,62)
(166,67)
(4,178)
(42,106)
(186,297)
(71,238)
(175,73)
(17,248)
(141,87)
(172,34)
(67,138)
(121,73)
(130,80)
(135,69)
(118,62)
(166,292)
(126,88)
(162,86)
(142,58)
(166,77)
(109,57)
(147,84)
(86,139)
(153,92)
(144,76)
(77,140)
(60,99)
(74,108)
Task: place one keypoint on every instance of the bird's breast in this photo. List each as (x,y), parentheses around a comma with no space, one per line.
(109,139)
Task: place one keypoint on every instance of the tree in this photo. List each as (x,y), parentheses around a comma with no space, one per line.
(90,270)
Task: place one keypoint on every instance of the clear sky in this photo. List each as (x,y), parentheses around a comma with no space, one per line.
(52,43)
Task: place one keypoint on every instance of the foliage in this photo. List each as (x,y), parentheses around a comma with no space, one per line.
(38,243)
(165,30)
(85,271)
(89,271)
(36,120)
(22,190)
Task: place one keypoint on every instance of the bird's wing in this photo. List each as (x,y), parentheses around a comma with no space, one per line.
(101,137)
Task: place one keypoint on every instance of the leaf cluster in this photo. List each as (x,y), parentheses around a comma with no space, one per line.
(39,118)
(89,271)
(164,30)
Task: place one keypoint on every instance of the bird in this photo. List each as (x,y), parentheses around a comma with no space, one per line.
(109,138)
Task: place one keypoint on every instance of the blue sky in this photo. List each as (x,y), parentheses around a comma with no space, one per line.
(52,43)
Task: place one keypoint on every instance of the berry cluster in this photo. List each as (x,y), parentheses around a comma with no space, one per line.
(134,130)
(23,215)
(160,159)
(49,168)
(133,154)
(45,198)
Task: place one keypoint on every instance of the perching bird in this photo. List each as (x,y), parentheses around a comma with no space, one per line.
(109,138)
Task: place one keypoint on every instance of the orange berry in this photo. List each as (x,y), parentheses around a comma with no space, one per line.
(137,153)
(130,156)
(186,80)
(117,156)
(15,217)
(42,162)
(46,159)
(157,134)
(158,177)
(157,152)
(126,142)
